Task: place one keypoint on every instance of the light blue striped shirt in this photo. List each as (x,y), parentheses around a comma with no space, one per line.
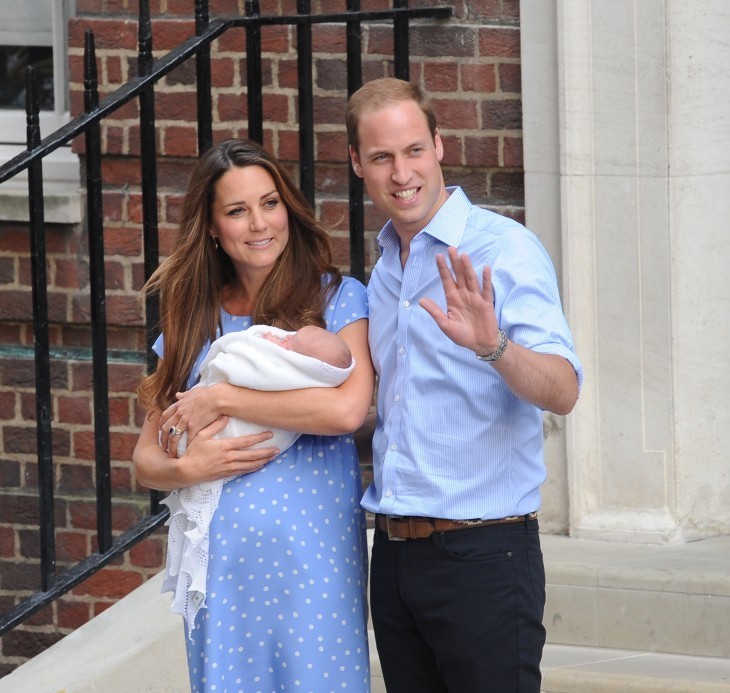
(451,440)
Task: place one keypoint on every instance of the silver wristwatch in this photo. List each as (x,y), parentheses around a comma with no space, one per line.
(498,351)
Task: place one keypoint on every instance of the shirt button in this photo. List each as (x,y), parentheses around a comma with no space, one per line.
(393,446)
(389,493)
(397,398)
(402,350)
(406,303)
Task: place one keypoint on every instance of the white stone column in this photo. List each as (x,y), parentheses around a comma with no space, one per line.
(636,143)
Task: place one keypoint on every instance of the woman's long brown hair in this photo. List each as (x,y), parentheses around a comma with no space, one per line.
(190,282)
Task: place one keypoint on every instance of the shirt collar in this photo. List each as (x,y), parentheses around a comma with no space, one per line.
(447,225)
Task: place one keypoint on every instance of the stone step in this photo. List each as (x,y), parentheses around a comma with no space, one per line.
(651,598)
(614,611)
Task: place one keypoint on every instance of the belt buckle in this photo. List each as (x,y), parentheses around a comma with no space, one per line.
(387,526)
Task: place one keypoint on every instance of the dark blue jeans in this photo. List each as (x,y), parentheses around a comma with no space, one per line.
(461,611)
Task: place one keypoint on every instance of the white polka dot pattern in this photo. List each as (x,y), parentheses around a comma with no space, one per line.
(285,606)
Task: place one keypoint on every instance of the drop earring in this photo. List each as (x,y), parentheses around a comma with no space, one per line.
(215,242)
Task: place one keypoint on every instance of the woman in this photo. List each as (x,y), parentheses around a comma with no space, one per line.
(285,592)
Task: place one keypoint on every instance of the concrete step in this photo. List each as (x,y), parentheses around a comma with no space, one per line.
(604,600)
(673,599)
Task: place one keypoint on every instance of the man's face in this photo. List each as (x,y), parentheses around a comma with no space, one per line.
(399,162)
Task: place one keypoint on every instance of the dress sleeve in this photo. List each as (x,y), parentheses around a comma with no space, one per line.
(159,346)
(348,304)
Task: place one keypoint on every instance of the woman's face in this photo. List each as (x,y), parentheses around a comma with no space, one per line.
(250,220)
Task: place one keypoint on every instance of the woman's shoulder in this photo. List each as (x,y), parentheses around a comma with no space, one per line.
(349,288)
(347,303)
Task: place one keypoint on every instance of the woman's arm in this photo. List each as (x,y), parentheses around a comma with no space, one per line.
(322,411)
(206,459)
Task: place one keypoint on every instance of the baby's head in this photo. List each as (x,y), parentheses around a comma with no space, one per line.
(322,345)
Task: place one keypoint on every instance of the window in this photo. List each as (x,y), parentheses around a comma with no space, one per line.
(34,32)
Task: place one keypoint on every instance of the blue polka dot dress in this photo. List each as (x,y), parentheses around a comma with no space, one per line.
(285,605)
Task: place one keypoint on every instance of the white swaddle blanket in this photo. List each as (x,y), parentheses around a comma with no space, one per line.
(244,359)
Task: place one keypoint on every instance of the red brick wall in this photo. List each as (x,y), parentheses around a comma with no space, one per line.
(469,64)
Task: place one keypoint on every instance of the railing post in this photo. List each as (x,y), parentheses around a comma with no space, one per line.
(357,211)
(97,297)
(203,80)
(253,74)
(47,523)
(148,164)
(306,104)
(401,49)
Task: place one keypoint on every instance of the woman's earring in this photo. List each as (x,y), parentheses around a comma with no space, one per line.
(215,242)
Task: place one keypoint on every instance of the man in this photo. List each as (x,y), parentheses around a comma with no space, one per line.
(466,367)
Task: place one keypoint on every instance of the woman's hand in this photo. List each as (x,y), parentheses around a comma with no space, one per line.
(209,459)
(194,410)
(206,459)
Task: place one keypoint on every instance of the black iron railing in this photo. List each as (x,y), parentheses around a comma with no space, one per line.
(142,87)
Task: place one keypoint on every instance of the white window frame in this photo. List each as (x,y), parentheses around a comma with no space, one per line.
(62,165)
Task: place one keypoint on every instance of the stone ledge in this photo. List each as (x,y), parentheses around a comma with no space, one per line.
(649,598)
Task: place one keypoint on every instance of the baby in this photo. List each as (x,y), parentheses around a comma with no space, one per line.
(262,358)
(315,342)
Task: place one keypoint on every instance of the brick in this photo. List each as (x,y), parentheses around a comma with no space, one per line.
(108,33)
(84,446)
(7,406)
(176,106)
(119,411)
(330,109)
(19,440)
(75,478)
(121,171)
(125,241)
(72,614)
(10,473)
(456,114)
(121,480)
(114,70)
(481,151)
(329,39)
(114,276)
(479,77)
(82,515)
(331,146)
(503,114)
(231,107)
(180,141)
(72,546)
(69,274)
(330,74)
(333,179)
(512,152)
(20,576)
(499,42)
(507,186)
(233,41)
(7,543)
(100,606)
(222,72)
(169,34)
(122,445)
(441,41)
(149,553)
(74,410)
(510,78)
(109,583)
(7,270)
(29,543)
(15,304)
(20,642)
(441,77)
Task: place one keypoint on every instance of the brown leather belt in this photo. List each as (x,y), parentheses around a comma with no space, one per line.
(402,528)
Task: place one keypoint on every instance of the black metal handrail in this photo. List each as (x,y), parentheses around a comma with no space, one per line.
(88,123)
